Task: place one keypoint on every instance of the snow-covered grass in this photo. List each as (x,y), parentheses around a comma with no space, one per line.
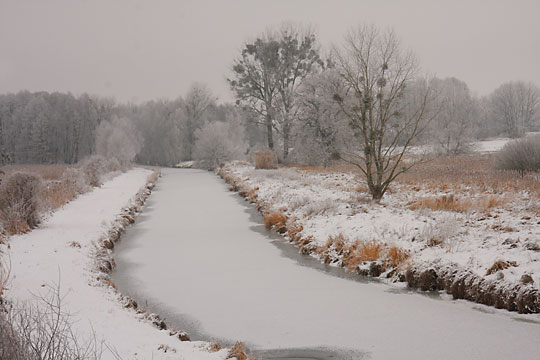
(455,214)
(62,253)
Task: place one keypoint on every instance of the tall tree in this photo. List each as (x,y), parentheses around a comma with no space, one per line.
(516,107)
(377,72)
(197,101)
(268,74)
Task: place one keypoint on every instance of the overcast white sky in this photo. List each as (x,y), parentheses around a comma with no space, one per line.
(142,50)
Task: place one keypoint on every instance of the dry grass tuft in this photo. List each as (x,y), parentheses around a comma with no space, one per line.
(500,265)
(396,257)
(370,250)
(275,220)
(75,244)
(265,159)
(239,352)
(215,347)
(293,230)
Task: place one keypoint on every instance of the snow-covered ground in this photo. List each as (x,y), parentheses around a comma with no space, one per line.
(202,257)
(45,257)
(327,204)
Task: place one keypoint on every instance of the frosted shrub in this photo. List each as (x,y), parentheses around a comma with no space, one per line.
(265,159)
(93,167)
(522,155)
(19,202)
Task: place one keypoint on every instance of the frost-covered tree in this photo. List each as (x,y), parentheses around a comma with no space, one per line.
(377,72)
(515,106)
(220,141)
(118,139)
(321,124)
(268,74)
(453,128)
(197,101)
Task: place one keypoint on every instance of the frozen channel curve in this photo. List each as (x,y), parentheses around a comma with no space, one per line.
(200,256)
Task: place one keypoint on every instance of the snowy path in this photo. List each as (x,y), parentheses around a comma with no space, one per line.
(44,255)
(200,256)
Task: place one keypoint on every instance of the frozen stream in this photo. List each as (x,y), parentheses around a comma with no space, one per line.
(200,256)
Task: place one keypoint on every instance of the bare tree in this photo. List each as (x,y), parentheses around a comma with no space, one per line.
(377,73)
(516,106)
(453,128)
(198,100)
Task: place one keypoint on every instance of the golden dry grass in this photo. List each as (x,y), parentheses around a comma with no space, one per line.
(239,352)
(453,203)
(396,256)
(500,265)
(275,220)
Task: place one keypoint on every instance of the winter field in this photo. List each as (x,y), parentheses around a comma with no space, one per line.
(451,224)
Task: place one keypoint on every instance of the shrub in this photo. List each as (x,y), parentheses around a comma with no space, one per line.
(265,159)
(93,167)
(42,330)
(522,155)
(19,202)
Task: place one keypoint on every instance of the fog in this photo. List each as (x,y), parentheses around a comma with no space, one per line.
(136,51)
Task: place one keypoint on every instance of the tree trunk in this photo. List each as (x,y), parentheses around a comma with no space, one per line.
(269,132)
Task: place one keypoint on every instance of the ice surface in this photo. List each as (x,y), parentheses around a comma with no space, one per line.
(200,254)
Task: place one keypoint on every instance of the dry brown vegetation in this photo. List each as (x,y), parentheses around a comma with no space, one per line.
(453,203)
(396,256)
(468,173)
(239,352)
(275,220)
(265,159)
(500,265)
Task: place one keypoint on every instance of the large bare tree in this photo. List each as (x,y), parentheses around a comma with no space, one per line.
(516,106)
(384,117)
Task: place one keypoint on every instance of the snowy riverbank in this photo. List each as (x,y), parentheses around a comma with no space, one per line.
(62,252)
(488,253)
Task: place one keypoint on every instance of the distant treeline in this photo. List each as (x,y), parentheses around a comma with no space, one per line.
(44,127)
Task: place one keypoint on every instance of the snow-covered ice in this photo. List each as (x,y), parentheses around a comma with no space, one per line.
(201,256)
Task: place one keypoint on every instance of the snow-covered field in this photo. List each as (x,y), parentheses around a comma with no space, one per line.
(493,228)
(46,257)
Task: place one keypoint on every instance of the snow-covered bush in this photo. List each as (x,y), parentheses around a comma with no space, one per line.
(93,167)
(118,139)
(522,155)
(218,142)
(19,202)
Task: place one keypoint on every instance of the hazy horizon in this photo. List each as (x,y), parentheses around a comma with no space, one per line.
(138,51)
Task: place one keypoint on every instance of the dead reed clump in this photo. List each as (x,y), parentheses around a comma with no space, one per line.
(276,220)
(396,257)
(293,230)
(370,250)
(252,195)
(215,347)
(239,352)
(500,265)
(445,202)
(265,159)
(20,202)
